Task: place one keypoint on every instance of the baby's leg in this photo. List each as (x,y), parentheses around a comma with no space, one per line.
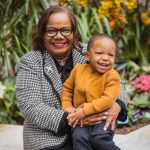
(80,137)
(102,139)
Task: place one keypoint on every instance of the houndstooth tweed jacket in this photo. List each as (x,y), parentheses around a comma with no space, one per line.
(39,103)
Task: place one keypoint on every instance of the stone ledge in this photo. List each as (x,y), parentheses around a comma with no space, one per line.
(136,140)
(11,138)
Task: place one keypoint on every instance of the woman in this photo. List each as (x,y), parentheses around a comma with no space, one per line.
(39,82)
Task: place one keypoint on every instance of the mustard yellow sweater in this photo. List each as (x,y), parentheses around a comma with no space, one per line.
(97,91)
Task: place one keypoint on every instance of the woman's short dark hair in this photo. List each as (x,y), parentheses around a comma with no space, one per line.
(38,36)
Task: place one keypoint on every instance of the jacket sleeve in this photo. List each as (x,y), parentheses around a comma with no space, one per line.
(123,95)
(123,102)
(29,96)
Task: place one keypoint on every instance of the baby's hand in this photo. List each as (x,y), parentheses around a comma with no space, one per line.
(76,117)
(70,110)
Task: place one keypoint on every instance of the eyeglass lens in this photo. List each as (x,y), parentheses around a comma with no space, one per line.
(65,31)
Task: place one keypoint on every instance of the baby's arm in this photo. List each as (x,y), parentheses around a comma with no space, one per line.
(68,91)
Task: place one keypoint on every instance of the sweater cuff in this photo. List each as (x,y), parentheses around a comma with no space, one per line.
(124,112)
(63,125)
(88,109)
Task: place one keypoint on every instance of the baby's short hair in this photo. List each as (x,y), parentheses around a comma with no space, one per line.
(96,36)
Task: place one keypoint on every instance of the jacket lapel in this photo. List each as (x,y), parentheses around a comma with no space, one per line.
(77,57)
(51,71)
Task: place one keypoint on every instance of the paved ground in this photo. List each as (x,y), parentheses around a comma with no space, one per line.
(11,138)
(136,140)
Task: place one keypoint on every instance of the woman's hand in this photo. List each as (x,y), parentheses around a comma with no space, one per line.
(95,119)
(113,113)
(110,116)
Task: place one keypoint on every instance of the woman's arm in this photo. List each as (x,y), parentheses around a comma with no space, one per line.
(122,102)
(30,99)
(110,116)
(117,111)
(113,113)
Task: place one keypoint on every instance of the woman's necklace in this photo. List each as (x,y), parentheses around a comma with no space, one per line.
(62,61)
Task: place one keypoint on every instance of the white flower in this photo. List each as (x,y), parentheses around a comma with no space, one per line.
(2,88)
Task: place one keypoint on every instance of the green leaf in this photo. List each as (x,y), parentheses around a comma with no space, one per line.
(146,69)
(17,41)
(83,28)
(106,22)
(142,100)
(134,66)
(100,27)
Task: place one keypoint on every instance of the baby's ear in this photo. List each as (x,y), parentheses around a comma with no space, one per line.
(87,57)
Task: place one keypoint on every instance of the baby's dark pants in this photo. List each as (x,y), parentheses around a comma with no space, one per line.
(93,138)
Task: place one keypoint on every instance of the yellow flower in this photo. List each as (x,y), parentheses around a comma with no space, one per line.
(145,17)
(105,7)
(103,12)
(118,3)
(106,4)
(131,4)
(113,10)
(82,3)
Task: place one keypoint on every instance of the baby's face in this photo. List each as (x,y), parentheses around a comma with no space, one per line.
(102,54)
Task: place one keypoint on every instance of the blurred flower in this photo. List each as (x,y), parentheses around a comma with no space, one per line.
(114,11)
(104,9)
(106,4)
(145,17)
(122,18)
(112,22)
(2,90)
(64,1)
(141,83)
(131,4)
(82,3)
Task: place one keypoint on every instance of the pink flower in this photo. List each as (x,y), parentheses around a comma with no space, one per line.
(141,83)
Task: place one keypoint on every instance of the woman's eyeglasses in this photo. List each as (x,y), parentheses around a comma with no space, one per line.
(65,31)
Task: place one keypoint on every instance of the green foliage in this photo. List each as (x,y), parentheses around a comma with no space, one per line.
(90,24)
(130,69)
(9,112)
(135,38)
(138,94)
(19,19)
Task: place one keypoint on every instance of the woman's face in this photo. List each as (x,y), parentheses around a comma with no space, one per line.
(58,43)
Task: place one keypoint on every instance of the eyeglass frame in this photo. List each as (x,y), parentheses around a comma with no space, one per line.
(59,30)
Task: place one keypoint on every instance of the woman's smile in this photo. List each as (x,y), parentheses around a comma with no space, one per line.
(59,45)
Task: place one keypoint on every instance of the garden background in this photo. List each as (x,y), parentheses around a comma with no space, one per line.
(128,21)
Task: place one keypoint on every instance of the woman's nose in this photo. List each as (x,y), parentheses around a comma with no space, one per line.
(59,35)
